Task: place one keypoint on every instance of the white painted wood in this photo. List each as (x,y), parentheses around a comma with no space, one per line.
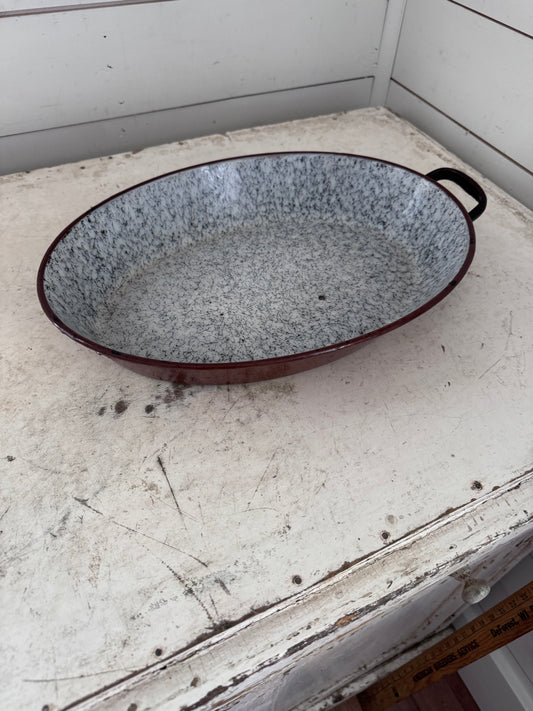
(86,140)
(387,51)
(515,13)
(297,651)
(473,70)
(295,477)
(79,67)
(497,167)
(406,623)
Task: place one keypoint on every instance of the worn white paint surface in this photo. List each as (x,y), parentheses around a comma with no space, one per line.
(105,560)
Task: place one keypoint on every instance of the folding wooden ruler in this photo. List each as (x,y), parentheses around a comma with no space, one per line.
(500,625)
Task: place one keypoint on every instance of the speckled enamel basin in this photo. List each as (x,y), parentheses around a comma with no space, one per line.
(259,266)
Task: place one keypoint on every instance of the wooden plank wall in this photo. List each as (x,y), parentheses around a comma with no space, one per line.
(464,74)
(82,79)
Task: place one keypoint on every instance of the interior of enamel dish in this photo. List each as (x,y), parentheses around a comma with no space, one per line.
(256,258)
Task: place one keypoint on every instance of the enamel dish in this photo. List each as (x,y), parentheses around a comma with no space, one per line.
(259,266)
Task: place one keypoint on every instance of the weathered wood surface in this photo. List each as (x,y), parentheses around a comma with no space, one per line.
(141,520)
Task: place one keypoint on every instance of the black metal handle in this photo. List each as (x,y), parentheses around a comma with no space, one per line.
(463,181)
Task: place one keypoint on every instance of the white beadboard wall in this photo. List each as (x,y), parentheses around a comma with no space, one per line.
(464,74)
(82,78)
(91,78)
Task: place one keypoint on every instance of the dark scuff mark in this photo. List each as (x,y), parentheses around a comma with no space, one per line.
(214,605)
(222,585)
(121,406)
(476,485)
(238,678)
(208,697)
(347,564)
(148,409)
(163,543)
(10,458)
(83,502)
(162,466)
(189,590)
(173,393)
(102,410)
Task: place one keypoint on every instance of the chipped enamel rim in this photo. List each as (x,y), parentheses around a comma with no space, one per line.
(246,371)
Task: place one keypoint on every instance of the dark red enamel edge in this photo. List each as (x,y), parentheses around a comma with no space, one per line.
(247,371)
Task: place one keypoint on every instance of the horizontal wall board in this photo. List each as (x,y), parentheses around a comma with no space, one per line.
(77,67)
(472,69)
(25,7)
(518,14)
(509,176)
(81,141)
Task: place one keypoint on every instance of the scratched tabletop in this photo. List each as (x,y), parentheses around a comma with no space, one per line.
(150,529)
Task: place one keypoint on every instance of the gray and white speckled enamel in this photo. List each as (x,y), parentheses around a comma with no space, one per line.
(256,257)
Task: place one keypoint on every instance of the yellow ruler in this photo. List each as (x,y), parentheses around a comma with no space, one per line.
(500,625)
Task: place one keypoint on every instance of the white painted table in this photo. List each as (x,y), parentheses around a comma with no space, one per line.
(261,546)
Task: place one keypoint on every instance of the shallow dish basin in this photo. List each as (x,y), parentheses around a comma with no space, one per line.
(258,266)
